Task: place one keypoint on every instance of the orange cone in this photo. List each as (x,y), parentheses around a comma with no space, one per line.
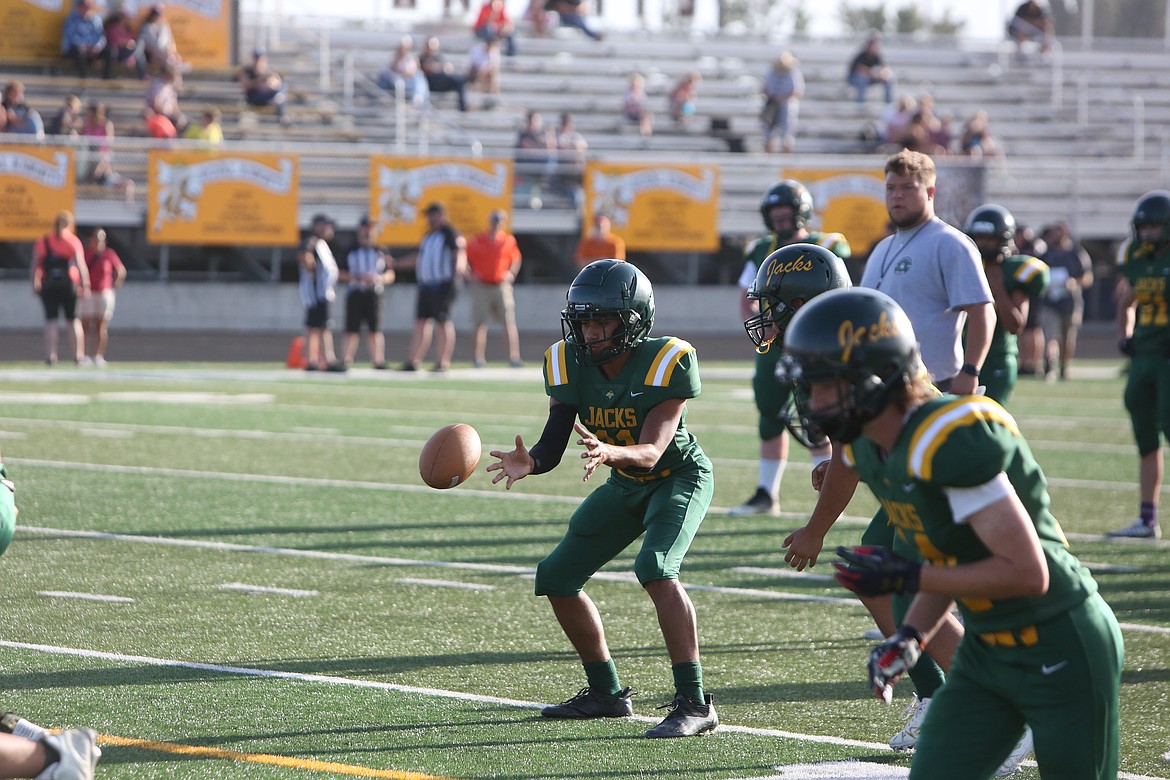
(296,353)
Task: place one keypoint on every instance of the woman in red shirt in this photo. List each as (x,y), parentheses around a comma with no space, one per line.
(106,274)
(59,274)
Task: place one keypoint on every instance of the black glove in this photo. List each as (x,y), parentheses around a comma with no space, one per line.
(893,657)
(1126,346)
(873,571)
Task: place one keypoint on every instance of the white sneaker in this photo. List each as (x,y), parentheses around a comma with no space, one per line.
(1137,530)
(79,755)
(86,361)
(1022,750)
(914,714)
(99,361)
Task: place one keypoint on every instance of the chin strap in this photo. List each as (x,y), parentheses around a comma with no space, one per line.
(765,347)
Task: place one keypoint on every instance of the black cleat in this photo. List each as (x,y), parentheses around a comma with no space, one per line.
(587,704)
(686,718)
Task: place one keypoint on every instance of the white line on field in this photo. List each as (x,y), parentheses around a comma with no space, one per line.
(265,589)
(787,572)
(445,583)
(67,594)
(437,692)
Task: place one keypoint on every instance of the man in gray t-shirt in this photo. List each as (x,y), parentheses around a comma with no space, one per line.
(935,274)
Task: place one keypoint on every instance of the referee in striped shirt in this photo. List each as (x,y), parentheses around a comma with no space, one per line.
(367,273)
(440,261)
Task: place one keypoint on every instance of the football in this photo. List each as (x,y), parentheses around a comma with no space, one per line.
(450,456)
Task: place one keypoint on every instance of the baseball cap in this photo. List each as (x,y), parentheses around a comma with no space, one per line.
(365,221)
(436,208)
(319,218)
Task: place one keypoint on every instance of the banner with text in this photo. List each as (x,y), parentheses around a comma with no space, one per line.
(36,182)
(31,29)
(401,188)
(660,207)
(220,198)
(202,28)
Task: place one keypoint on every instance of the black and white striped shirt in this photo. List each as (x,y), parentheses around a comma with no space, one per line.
(436,256)
(364,261)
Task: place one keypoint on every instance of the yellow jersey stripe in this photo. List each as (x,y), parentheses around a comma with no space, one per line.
(935,429)
(554,364)
(847,455)
(665,361)
(830,239)
(1029,269)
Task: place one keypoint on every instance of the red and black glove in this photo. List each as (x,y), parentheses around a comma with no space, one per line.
(891,659)
(874,571)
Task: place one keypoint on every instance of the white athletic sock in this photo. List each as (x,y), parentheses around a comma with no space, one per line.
(28,730)
(771,472)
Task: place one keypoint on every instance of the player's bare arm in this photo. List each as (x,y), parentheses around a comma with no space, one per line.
(804,545)
(657,432)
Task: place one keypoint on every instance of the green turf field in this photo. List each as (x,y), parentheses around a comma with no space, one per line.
(235,572)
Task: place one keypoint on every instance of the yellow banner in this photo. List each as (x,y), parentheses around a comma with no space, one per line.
(222,198)
(660,208)
(851,202)
(202,28)
(36,182)
(402,187)
(31,29)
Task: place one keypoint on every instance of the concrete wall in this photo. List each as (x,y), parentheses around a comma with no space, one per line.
(276,308)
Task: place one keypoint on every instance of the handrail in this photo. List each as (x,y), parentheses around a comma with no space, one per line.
(1136,101)
(350,74)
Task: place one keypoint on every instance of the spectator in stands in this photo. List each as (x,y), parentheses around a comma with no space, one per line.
(783,88)
(441,261)
(977,140)
(600,243)
(571,13)
(869,68)
(537,14)
(99,128)
(83,39)
(571,148)
(1031,22)
(318,275)
(207,129)
(120,38)
(440,74)
(493,23)
(404,68)
(536,147)
(493,259)
(918,135)
(447,7)
(106,275)
(1031,338)
(483,71)
(895,118)
(943,134)
(59,276)
(163,97)
(1062,308)
(683,96)
(68,120)
(22,118)
(156,43)
(157,125)
(263,86)
(634,105)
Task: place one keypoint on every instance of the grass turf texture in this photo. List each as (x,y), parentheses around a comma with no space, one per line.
(314,481)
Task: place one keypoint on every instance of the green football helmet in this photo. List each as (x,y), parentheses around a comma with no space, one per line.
(857,335)
(788,193)
(786,280)
(604,290)
(992,221)
(1153,208)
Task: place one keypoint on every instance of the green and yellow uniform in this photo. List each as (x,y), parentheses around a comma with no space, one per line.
(7,510)
(667,503)
(1000,367)
(772,397)
(1147,388)
(1052,661)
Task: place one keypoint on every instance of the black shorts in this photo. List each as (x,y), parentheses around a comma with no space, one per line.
(434,301)
(57,297)
(317,316)
(363,306)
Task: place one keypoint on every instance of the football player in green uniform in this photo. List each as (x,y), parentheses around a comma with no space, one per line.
(1041,648)
(787,210)
(628,393)
(1143,317)
(1016,281)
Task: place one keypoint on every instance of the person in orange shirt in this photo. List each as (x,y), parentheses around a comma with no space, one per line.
(59,275)
(494,260)
(600,244)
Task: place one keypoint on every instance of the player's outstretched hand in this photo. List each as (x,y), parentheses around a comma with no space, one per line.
(891,659)
(596,452)
(514,465)
(818,475)
(874,571)
(802,547)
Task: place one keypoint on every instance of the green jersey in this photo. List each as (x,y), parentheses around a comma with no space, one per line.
(1148,274)
(759,248)
(1020,272)
(962,442)
(614,410)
